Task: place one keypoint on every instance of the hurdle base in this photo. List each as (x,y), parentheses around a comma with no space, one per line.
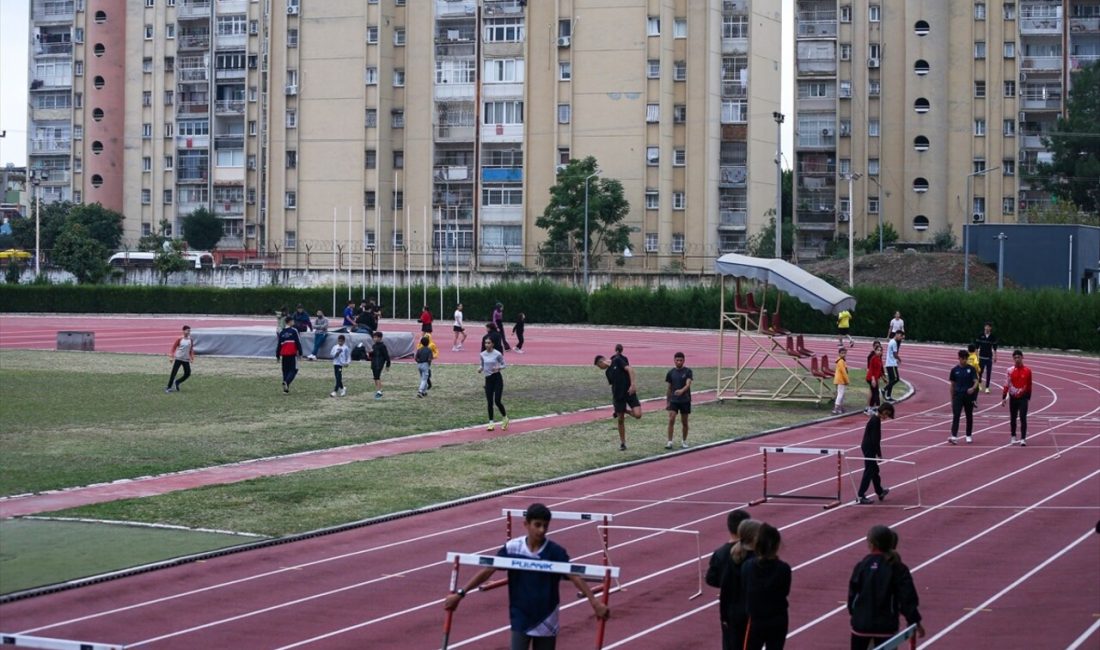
(756,502)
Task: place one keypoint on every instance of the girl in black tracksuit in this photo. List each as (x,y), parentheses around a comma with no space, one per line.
(880,588)
(765,585)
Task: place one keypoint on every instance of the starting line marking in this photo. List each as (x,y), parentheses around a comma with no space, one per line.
(46,643)
(592,571)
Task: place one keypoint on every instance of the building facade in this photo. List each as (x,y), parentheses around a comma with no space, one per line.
(400,132)
(936,111)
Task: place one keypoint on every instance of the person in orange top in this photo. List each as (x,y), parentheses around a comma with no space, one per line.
(840,379)
(875,373)
(1017,391)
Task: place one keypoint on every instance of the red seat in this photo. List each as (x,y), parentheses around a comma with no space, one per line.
(790,348)
(750,302)
(777,325)
(800,346)
(825,369)
(814,369)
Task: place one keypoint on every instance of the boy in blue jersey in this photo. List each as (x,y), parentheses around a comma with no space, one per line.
(964,388)
(532,595)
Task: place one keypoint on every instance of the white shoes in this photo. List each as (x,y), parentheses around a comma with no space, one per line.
(668,445)
(332,394)
(312,357)
(969,439)
(343,391)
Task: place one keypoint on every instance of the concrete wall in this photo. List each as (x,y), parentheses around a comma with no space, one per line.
(1038,255)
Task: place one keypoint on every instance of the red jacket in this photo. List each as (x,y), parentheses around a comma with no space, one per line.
(1018,383)
(426,317)
(874,368)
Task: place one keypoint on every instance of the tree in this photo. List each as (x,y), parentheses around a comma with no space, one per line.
(1063,212)
(762,244)
(155,240)
(51,217)
(869,244)
(169,259)
(202,229)
(77,252)
(563,219)
(1074,173)
(101,224)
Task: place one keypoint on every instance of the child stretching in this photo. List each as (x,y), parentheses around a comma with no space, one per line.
(840,379)
(880,588)
(379,358)
(341,358)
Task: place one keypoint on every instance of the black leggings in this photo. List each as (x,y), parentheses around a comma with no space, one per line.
(985,367)
(186,365)
(771,636)
(958,405)
(873,400)
(870,475)
(1017,406)
(494,390)
(892,379)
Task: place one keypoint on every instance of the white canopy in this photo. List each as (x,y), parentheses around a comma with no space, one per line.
(788,278)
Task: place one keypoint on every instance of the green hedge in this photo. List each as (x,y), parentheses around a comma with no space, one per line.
(1026,319)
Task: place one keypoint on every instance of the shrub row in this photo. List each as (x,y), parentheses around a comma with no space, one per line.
(1027,319)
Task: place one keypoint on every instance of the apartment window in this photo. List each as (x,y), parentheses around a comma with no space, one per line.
(651,242)
(1010,89)
(679,157)
(510,30)
(565,71)
(679,202)
(845,127)
(148,32)
(652,113)
(979,127)
(290,201)
(872,127)
(735,26)
(398,77)
(846,13)
(874,87)
(147,130)
(1010,49)
(253,93)
(397,116)
(291,159)
(677,242)
(979,88)
(371,76)
(652,156)
(398,159)
(291,118)
(844,92)
(845,51)
(229,158)
(978,205)
(398,200)
(844,166)
(147,98)
(1008,205)
(979,11)
(874,13)
(505,112)
(874,51)
(169,63)
(146,164)
(252,127)
(565,113)
(979,165)
(680,71)
(150,3)
(292,78)
(565,28)
(371,120)
(1008,167)
(1008,128)
(78,68)
(169,97)
(369,199)
(147,64)
(872,205)
(290,240)
(169,163)
(872,166)
(399,36)
(653,26)
(232,25)
(292,37)
(78,164)
(679,28)
(169,130)
(979,50)
(653,69)
(504,71)
(372,33)
(501,195)
(652,199)
(398,240)
(78,131)
(170,30)
(370,159)
(146,197)
(167,197)
(679,113)
(1010,11)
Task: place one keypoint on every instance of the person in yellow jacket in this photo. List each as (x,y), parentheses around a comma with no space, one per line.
(843,321)
(435,355)
(973,361)
(840,379)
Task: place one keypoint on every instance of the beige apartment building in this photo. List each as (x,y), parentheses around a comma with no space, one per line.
(934,110)
(381,133)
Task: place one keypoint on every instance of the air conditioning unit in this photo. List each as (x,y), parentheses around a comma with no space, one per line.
(979,217)
(842,217)
(872,62)
(563,41)
(292,89)
(560,168)
(1023,77)
(292,10)
(827,132)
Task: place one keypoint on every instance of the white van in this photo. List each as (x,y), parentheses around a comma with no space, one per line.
(145,259)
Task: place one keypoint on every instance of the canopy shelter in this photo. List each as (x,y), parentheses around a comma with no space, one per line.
(802,376)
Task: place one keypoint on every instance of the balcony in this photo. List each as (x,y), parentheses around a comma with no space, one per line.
(502,133)
(192,108)
(1032,141)
(1031,26)
(816,220)
(231,41)
(819,26)
(51,83)
(185,175)
(735,45)
(193,41)
(454,133)
(229,141)
(1041,101)
(503,8)
(193,9)
(816,168)
(731,89)
(455,8)
(192,75)
(732,176)
(502,174)
(733,219)
(64,48)
(449,50)
(1084,25)
(1041,63)
(229,208)
(222,74)
(454,173)
(1078,61)
(229,106)
(453,92)
(816,66)
(51,145)
(49,12)
(817,183)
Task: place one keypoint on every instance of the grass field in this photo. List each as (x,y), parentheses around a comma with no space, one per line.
(71,419)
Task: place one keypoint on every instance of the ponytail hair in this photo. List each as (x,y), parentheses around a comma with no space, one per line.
(768,541)
(884,540)
(747,532)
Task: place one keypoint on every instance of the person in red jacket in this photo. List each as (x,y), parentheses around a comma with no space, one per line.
(1017,391)
(426,320)
(875,372)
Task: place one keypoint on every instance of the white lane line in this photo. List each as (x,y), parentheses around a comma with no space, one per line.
(1080,641)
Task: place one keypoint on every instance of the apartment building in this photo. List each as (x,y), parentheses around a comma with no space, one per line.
(398,132)
(933,111)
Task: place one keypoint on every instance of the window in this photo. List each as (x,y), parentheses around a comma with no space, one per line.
(565,28)
(679,157)
(679,27)
(397,117)
(565,113)
(253,93)
(290,200)
(399,36)
(652,156)
(291,118)
(846,14)
(872,205)
(502,236)
(170,30)
(844,92)
(370,159)
(147,64)
(680,71)
(150,3)
(1008,128)
(369,199)
(169,162)
(148,32)
(651,242)
(1008,205)
(653,69)
(498,30)
(169,63)
(167,197)
(372,33)
(979,127)
(398,159)
(504,71)
(874,13)
(565,71)
(169,97)
(1010,11)
(146,197)
(735,26)
(194,127)
(146,164)
(291,159)
(450,71)
(979,205)
(368,240)
(872,127)
(979,88)
(979,50)
(653,26)
(872,166)
(979,165)
(677,242)
(845,51)
(147,98)
(652,199)
(679,113)
(169,130)
(505,112)
(979,11)
(78,68)
(78,164)
(844,166)
(844,126)
(501,195)
(292,37)
(290,240)
(232,25)
(652,113)
(874,50)
(292,78)
(371,120)
(398,200)
(398,77)
(679,202)
(874,88)
(1008,167)
(229,158)
(1010,49)
(371,76)
(147,130)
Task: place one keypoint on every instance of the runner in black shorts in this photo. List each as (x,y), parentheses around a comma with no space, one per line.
(679,381)
(624,394)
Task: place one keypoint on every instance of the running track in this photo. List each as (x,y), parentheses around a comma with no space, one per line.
(1003,549)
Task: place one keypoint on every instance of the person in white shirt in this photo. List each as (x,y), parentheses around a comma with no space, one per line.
(460,331)
(892,361)
(341,358)
(896,324)
(181,354)
(492,361)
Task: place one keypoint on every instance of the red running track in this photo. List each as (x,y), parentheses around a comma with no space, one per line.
(1003,547)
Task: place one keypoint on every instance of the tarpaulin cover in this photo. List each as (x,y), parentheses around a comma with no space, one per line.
(789,279)
(259,341)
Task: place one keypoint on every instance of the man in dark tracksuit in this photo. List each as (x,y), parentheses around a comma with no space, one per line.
(987,353)
(288,348)
(964,388)
(871,448)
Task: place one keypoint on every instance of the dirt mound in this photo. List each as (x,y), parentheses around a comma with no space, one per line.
(908,271)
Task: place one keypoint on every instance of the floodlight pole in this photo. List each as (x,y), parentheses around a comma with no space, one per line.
(967,217)
(778,117)
(1001,237)
(851,176)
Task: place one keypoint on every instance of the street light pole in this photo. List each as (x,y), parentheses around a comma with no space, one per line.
(586,179)
(35,180)
(851,176)
(966,225)
(778,117)
(1001,237)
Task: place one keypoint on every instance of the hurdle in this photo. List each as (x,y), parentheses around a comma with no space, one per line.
(908,634)
(698,549)
(592,572)
(833,500)
(851,475)
(508,513)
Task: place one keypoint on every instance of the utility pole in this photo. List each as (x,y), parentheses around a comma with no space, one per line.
(778,184)
(1001,237)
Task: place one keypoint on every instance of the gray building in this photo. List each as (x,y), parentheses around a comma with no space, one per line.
(1042,255)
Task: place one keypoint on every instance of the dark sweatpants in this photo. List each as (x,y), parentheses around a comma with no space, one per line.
(290,368)
(1017,406)
(958,405)
(892,378)
(186,365)
(771,636)
(870,475)
(494,391)
(985,368)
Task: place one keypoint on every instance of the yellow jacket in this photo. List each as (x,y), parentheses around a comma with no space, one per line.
(840,375)
(972,361)
(431,344)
